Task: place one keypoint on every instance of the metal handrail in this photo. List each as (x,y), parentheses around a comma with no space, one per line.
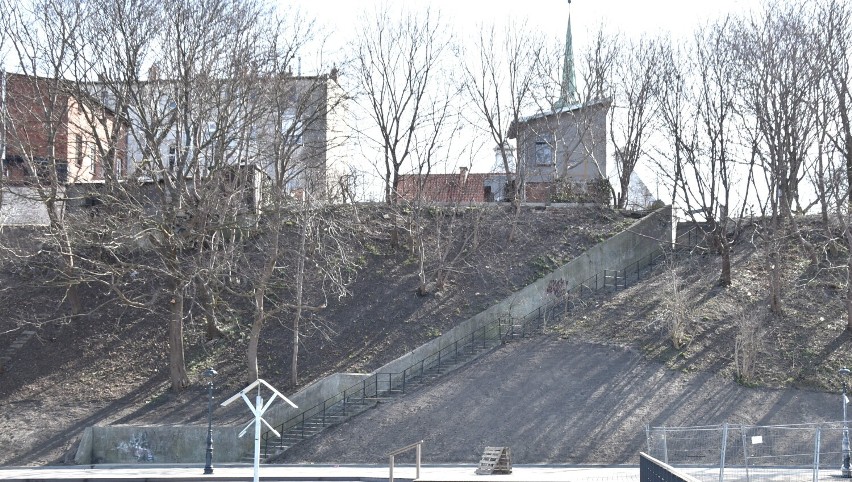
(370,387)
(396,452)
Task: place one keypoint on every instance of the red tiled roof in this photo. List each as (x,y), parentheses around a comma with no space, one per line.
(443,187)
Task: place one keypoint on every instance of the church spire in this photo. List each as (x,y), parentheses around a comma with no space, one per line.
(568,94)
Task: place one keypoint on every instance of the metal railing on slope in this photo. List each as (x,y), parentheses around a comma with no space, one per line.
(363,394)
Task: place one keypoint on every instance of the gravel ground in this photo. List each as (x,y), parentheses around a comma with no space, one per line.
(556,401)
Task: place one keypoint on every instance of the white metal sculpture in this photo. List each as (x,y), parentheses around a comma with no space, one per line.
(258,409)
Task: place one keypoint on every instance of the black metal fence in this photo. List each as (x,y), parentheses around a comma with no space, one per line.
(363,394)
(652,470)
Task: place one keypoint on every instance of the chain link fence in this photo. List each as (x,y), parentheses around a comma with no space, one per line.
(717,453)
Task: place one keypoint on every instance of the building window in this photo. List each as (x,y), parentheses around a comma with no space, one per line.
(291,127)
(172,157)
(543,153)
(93,156)
(78,140)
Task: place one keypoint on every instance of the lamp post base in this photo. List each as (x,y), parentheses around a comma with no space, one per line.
(208,466)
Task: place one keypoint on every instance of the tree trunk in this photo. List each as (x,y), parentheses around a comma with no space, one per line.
(849,278)
(775,280)
(516,207)
(73,294)
(177,363)
(725,276)
(849,292)
(254,336)
(208,304)
(294,361)
(69,270)
(300,283)
(622,195)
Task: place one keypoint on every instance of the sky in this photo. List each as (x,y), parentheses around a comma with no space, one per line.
(631,18)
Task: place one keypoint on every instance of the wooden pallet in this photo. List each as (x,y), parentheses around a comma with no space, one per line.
(495,460)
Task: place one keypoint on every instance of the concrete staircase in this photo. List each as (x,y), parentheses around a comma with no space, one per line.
(632,253)
(366,395)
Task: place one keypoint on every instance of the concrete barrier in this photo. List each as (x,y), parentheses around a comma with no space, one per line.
(645,237)
(22,206)
(116,444)
(134,444)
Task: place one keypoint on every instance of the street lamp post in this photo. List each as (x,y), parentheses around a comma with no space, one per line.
(209,374)
(845,470)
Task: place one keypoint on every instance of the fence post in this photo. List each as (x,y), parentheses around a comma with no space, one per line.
(722,458)
(665,447)
(417,461)
(648,438)
(745,450)
(816,453)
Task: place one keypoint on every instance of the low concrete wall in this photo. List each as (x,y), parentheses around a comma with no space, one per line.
(645,237)
(133,444)
(119,444)
(22,206)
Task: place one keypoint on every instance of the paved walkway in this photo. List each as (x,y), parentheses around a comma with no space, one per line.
(542,473)
(428,473)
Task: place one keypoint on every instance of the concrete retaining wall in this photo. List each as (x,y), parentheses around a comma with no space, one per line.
(133,444)
(22,206)
(643,238)
(117,444)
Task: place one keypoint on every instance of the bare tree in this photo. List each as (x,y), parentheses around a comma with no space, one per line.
(44,37)
(500,82)
(190,120)
(399,59)
(834,39)
(300,108)
(636,84)
(697,108)
(777,80)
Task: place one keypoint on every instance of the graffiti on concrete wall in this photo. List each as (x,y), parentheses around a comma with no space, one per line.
(137,447)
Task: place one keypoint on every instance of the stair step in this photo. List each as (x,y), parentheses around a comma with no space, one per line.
(353,406)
